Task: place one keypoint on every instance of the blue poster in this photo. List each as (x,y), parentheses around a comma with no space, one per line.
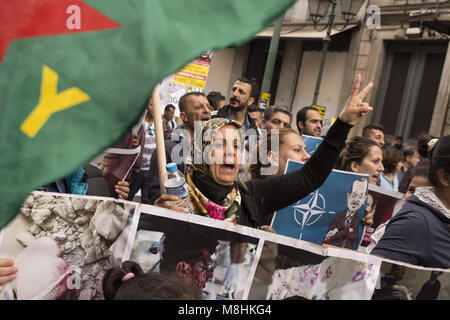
(330,215)
(311,143)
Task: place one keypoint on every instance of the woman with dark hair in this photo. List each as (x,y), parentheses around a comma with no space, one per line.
(417,177)
(362,155)
(276,147)
(414,178)
(131,283)
(392,161)
(422,146)
(419,233)
(410,159)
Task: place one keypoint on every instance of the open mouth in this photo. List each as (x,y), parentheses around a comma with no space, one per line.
(228,167)
(235,101)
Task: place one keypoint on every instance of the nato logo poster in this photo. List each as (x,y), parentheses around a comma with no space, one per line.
(330,215)
(311,143)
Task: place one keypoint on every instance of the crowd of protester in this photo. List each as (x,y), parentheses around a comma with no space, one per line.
(247,189)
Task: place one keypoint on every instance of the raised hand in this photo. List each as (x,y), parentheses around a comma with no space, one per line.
(355,108)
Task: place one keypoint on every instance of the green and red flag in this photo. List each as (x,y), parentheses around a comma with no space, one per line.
(75,75)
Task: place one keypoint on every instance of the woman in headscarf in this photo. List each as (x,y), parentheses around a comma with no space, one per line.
(212,178)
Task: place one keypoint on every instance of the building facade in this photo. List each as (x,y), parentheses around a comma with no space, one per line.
(399,45)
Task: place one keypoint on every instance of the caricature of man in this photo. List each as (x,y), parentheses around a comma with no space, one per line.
(343,231)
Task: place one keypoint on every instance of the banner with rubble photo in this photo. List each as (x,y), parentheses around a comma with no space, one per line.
(211,259)
(290,269)
(331,214)
(62,244)
(403,281)
(384,204)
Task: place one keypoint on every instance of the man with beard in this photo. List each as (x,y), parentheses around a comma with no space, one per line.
(243,94)
(193,107)
(309,122)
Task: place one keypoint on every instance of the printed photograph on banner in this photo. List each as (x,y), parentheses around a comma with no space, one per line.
(210,263)
(311,143)
(401,282)
(292,273)
(121,161)
(330,215)
(63,244)
(384,204)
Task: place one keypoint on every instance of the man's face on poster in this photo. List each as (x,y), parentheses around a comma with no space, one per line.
(195,274)
(357,196)
(201,271)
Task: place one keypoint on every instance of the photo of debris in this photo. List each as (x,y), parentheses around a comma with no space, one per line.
(62,244)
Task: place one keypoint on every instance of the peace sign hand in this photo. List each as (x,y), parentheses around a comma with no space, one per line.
(354,108)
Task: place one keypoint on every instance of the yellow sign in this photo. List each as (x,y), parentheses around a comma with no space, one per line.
(264,100)
(51,101)
(320,109)
(193,74)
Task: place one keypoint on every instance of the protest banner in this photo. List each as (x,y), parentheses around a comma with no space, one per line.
(192,77)
(62,244)
(402,281)
(223,255)
(300,274)
(384,204)
(116,164)
(195,72)
(331,214)
(271,267)
(171,92)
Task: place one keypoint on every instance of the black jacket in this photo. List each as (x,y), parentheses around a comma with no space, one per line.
(261,198)
(223,112)
(418,234)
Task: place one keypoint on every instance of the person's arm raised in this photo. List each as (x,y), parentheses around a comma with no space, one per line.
(280,191)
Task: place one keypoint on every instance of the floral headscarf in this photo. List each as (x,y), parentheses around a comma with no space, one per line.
(228,208)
